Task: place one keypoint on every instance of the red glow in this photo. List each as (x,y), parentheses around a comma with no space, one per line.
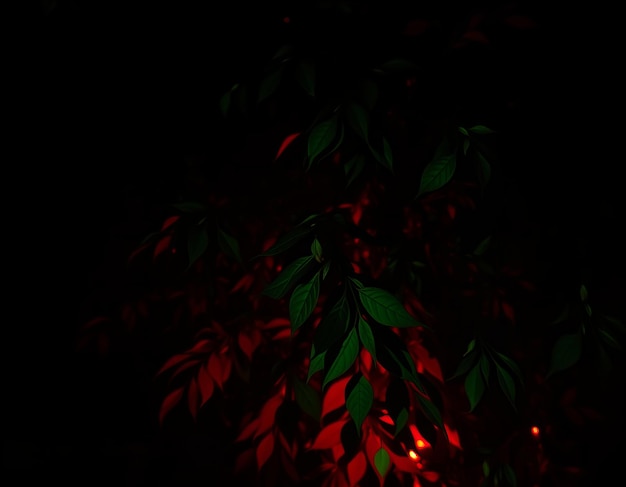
(535,431)
(286,20)
(413,455)
(285,143)
(420,444)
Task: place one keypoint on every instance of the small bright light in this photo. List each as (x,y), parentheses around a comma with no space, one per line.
(420,443)
(535,430)
(413,455)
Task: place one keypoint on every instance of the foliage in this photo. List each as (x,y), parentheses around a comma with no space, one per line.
(351,312)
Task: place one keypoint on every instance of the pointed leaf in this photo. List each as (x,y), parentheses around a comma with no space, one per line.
(401,420)
(320,138)
(359,401)
(171,400)
(382,462)
(228,245)
(325,269)
(287,241)
(197,242)
(482,247)
(332,326)
(303,301)
(385,308)
(288,277)
(511,365)
(358,120)
(286,143)
(387,154)
(329,436)
(566,352)
(437,173)
(484,367)
(305,75)
(269,84)
(315,365)
(431,412)
(264,450)
(348,353)
(367,337)
(583,293)
(507,384)
(481,130)
(353,168)
(316,250)
(307,398)
(474,386)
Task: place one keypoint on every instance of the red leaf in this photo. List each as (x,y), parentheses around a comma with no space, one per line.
(286,142)
(329,436)
(215,370)
(201,346)
(95,321)
(173,361)
(162,245)
(267,415)
(248,430)
(244,461)
(193,398)
(431,364)
(264,450)
(249,341)
(508,311)
(206,384)
(137,251)
(169,402)
(243,284)
(278,323)
(169,222)
(430,475)
(356,468)
(184,367)
(335,396)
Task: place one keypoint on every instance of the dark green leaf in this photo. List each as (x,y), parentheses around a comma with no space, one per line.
(511,365)
(288,277)
(359,401)
(486,468)
(333,325)
(228,245)
(316,250)
(470,347)
(481,130)
(387,155)
(269,84)
(508,475)
(307,398)
(507,384)
(484,367)
(367,337)
(385,308)
(303,301)
(315,365)
(482,247)
(353,168)
(382,462)
(466,363)
(484,169)
(197,242)
(437,173)
(283,53)
(305,75)
(588,309)
(345,359)
(224,103)
(566,352)
(325,269)
(463,131)
(287,241)
(401,420)
(609,339)
(431,412)
(191,207)
(474,386)
(320,138)
(466,145)
(562,316)
(358,120)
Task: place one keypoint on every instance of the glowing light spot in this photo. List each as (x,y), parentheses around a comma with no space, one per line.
(279,268)
(413,455)
(420,465)
(420,444)
(535,431)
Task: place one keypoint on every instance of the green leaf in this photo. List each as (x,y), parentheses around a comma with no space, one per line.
(481,130)
(307,398)
(347,355)
(287,241)
(382,462)
(463,131)
(401,420)
(191,207)
(466,363)
(470,346)
(315,365)
(387,154)
(484,169)
(359,401)
(269,84)
(431,412)
(486,468)
(197,242)
(316,250)
(385,308)
(583,293)
(437,173)
(320,138)
(511,365)
(609,339)
(484,367)
(482,247)
(283,53)
(305,75)
(228,245)
(353,168)
(474,386)
(566,352)
(367,337)
(224,103)
(325,269)
(358,120)
(508,475)
(303,301)
(507,384)
(466,145)
(333,325)
(288,277)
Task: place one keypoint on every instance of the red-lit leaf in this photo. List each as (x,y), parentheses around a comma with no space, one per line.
(329,436)
(277,323)
(285,143)
(216,369)
(169,222)
(431,476)
(185,366)
(249,341)
(193,398)
(173,361)
(248,430)
(201,346)
(356,468)
(162,246)
(206,384)
(264,450)
(334,398)
(243,284)
(267,417)
(171,400)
